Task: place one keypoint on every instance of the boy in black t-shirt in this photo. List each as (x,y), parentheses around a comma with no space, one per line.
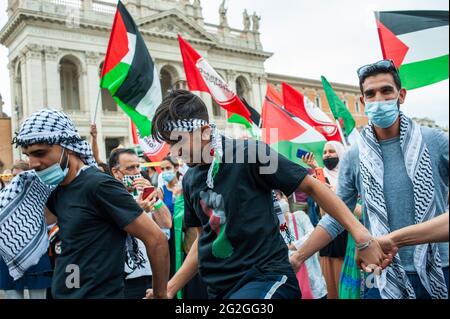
(239,251)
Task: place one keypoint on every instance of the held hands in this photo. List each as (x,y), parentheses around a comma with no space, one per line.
(374,258)
(388,246)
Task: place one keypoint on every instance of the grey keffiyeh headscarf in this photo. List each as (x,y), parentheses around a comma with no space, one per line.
(23,236)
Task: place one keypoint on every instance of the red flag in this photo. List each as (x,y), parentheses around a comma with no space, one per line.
(299,105)
(202,77)
(274,96)
(134,133)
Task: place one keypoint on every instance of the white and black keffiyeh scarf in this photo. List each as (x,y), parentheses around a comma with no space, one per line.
(191,125)
(394,283)
(23,236)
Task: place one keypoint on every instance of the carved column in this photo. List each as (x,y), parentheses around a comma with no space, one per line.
(34,78)
(53,83)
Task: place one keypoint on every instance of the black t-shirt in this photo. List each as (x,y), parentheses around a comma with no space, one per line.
(92,212)
(243,195)
(337,248)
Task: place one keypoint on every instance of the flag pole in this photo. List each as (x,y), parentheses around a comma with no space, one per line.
(342,134)
(96,106)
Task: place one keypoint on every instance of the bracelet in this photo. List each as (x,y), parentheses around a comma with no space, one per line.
(159,204)
(364,245)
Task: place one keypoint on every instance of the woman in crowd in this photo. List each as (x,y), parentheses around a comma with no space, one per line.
(168,192)
(332,256)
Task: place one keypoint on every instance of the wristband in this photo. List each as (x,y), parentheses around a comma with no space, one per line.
(364,245)
(159,204)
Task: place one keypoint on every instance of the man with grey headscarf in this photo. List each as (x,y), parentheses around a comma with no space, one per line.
(93,211)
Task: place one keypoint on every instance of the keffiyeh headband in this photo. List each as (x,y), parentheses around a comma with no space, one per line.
(191,125)
(53,127)
(23,235)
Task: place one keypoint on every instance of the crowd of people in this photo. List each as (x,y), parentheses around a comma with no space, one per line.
(202,227)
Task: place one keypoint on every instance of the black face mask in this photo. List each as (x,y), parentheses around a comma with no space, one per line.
(331,162)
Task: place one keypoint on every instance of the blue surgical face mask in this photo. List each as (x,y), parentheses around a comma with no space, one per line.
(382,114)
(54,175)
(168,176)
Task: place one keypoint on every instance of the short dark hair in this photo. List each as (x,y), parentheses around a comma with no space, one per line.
(177,105)
(170,159)
(374,71)
(115,156)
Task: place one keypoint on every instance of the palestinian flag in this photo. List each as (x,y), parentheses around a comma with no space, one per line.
(417,42)
(131,77)
(251,129)
(293,133)
(299,105)
(202,77)
(341,113)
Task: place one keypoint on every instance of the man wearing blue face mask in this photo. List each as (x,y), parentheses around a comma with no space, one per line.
(94,213)
(401,171)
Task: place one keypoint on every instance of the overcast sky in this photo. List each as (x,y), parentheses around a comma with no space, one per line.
(312,38)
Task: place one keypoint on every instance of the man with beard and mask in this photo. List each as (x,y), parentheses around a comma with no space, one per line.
(401,171)
(93,210)
(124,166)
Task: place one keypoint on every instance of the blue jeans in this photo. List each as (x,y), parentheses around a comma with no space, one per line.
(414,279)
(258,284)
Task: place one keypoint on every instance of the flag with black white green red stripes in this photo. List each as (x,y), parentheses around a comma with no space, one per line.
(131,77)
(417,42)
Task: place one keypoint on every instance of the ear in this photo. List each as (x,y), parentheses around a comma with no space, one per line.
(115,172)
(361,99)
(402,96)
(206,132)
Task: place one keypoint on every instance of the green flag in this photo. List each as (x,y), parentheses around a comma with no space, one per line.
(340,112)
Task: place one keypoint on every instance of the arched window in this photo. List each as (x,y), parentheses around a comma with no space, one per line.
(243,88)
(69,79)
(169,80)
(108,103)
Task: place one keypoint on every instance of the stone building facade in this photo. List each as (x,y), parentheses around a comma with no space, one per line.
(57,47)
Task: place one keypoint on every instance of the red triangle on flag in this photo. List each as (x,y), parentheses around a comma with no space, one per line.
(118,43)
(294,102)
(393,48)
(274,116)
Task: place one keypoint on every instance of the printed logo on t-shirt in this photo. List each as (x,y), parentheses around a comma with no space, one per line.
(134,259)
(213,206)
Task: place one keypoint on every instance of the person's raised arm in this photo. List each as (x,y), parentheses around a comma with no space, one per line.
(94,143)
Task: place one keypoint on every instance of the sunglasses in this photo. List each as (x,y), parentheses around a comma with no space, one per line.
(380,65)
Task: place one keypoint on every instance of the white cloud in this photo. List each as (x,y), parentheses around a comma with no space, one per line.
(311,38)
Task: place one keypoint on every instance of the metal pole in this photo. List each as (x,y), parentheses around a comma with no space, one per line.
(96,106)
